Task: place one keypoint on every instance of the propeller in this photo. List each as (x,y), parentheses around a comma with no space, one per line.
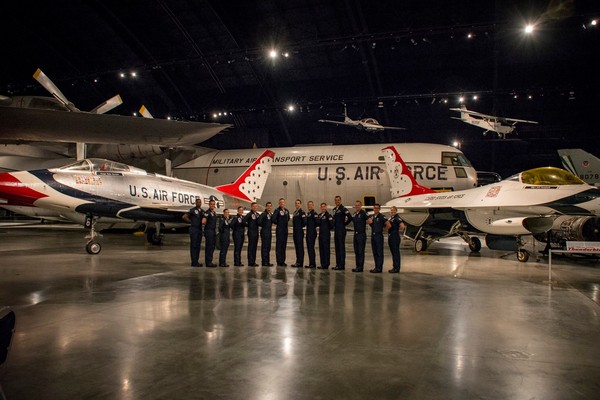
(53,89)
(145,113)
(108,105)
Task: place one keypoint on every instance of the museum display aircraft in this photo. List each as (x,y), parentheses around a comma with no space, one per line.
(319,173)
(364,124)
(528,203)
(91,190)
(582,164)
(56,119)
(491,123)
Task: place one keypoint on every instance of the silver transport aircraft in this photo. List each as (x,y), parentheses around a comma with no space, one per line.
(92,190)
(529,203)
(319,173)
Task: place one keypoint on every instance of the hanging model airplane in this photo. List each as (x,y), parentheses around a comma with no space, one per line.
(529,203)
(365,124)
(502,126)
(90,190)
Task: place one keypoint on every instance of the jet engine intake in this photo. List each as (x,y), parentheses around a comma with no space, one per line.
(573,228)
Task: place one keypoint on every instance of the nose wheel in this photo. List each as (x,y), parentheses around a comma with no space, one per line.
(92,246)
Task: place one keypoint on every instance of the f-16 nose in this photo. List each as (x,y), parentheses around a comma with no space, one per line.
(16,193)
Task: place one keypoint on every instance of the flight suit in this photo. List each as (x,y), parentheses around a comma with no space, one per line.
(251,221)
(281,217)
(210,233)
(377,240)
(298,223)
(224,237)
(237,226)
(394,241)
(196,215)
(341,218)
(360,238)
(325,227)
(264,221)
(312,220)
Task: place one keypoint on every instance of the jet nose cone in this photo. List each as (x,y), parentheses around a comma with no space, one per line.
(16,193)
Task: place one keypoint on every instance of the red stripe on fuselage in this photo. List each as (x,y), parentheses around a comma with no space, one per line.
(16,193)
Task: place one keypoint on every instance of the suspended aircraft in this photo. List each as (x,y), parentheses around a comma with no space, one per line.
(528,203)
(582,164)
(92,190)
(491,123)
(365,124)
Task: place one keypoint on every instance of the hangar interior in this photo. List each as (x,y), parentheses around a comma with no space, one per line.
(137,322)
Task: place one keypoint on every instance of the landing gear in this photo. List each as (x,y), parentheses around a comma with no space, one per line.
(474,244)
(420,245)
(153,235)
(92,246)
(522,255)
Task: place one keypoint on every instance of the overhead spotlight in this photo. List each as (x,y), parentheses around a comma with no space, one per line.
(133,74)
(594,22)
(529,28)
(273,54)
(380,104)
(530,97)
(95,80)
(122,74)
(475,97)
(168,117)
(134,114)
(373,45)
(461,99)
(445,101)
(220,114)
(470,36)
(286,54)
(515,96)
(413,41)
(214,115)
(224,113)
(291,108)
(455,143)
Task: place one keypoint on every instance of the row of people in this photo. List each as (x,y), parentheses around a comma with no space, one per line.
(318,227)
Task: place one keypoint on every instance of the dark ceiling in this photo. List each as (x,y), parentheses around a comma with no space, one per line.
(392,60)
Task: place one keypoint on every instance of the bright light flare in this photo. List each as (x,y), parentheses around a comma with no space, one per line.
(594,22)
(529,28)
(291,108)
(273,53)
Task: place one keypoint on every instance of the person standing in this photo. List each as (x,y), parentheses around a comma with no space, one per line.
(281,217)
(210,233)
(393,225)
(194,217)
(360,235)
(341,218)
(251,221)
(377,222)
(224,237)
(237,227)
(298,224)
(312,220)
(325,227)
(266,226)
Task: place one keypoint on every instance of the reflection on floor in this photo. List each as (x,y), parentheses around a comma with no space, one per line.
(137,322)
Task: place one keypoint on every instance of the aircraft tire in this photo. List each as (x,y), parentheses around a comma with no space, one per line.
(153,238)
(475,244)
(522,255)
(93,247)
(420,245)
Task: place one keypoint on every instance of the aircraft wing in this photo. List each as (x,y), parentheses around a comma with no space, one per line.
(333,122)
(397,128)
(477,114)
(18,125)
(519,120)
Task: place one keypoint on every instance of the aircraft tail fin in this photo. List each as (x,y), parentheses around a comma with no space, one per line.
(581,164)
(402,181)
(250,185)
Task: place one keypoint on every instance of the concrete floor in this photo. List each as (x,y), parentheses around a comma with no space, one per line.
(136,322)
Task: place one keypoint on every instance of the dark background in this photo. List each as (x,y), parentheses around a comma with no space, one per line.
(395,61)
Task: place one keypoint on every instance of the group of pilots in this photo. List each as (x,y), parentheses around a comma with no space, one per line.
(318,226)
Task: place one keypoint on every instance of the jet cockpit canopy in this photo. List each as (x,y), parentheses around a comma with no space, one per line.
(100,165)
(550,176)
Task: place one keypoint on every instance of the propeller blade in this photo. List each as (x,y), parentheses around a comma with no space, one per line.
(53,89)
(108,105)
(145,113)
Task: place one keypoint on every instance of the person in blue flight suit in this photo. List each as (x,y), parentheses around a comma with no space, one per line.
(281,217)
(210,233)
(341,218)
(393,225)
(312,220)
(194,217)
(251,221)
(360,235)
(224,237)
(238,228)
(298,224)
(266,226)
(325,227)
(377,222)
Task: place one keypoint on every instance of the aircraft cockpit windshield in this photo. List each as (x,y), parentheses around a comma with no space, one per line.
(100,165)
(549,176)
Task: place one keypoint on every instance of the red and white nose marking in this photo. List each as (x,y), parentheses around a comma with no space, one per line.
(15,192)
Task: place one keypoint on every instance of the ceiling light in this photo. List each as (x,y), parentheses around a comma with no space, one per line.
(529,28)
(122,74)
(134,114)
(461,99)
(475,97)
(470,36)
(273,54)
(594,22)
(291,108)
(286,54)
(214,115)
(134,74)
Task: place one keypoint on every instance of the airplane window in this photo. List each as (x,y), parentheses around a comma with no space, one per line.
(460,172)
(455,159)
(549,176)
(82,165)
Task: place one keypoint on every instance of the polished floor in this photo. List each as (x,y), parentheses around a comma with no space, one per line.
(136,322)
